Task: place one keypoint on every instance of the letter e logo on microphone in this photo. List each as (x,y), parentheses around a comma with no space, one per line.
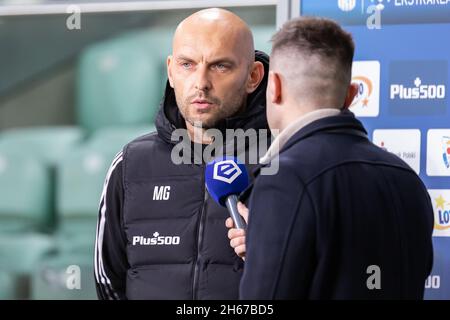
(226,171)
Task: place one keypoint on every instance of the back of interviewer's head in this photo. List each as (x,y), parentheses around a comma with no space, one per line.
(313,57)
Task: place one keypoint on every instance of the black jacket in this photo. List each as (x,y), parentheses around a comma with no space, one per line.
(160,235)
(338,208)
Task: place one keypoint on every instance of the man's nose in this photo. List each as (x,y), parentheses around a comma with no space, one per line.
(202,80)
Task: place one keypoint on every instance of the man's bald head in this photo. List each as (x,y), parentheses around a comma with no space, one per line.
(212,68)
(217,25)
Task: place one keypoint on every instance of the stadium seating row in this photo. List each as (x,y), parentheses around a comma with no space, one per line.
(51,180)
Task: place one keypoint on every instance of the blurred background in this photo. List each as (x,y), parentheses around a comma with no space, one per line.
(72,93)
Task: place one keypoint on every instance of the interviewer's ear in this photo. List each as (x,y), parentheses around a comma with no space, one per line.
(351,93)
(274,88)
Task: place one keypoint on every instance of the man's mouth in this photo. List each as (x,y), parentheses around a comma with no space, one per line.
(202,104)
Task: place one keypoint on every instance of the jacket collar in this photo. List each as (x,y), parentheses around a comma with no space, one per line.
(343,122)
(294,127)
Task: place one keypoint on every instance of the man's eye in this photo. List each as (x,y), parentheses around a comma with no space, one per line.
(221,67)
(186,65)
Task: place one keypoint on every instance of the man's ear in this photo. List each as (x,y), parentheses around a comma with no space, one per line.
(169,70)
(256,76)
(351,93)
(274,88)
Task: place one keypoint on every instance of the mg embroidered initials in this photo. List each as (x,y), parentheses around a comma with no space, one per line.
(161,193)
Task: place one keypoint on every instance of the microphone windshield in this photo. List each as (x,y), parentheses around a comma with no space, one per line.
(225,176)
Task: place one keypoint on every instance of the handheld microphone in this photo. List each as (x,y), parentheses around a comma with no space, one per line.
(226,178)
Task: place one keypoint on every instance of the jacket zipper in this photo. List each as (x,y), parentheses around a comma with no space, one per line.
(199,242)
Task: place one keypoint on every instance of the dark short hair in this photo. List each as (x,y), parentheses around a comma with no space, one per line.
(316,36)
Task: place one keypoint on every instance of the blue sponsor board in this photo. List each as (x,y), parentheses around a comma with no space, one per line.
(437,285)
(418,88)
(413,48)
(355,12)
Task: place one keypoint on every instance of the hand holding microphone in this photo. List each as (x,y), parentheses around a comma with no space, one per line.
(225,180)
(237,236)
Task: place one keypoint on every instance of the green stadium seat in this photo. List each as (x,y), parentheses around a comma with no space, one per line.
(7,286)
(19,255)
(117,137)
(80,180)
(25,188)
(120,81)
(64,277)
(47,143)
(20,252)
(151,38)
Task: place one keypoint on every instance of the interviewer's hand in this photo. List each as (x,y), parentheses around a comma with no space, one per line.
(237,236)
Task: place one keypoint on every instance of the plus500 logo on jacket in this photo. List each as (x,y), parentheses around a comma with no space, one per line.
(157,240)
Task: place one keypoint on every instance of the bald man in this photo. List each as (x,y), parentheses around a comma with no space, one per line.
(159,234)
(342,218)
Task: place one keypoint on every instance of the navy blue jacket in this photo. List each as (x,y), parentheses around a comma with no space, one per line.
(340,217)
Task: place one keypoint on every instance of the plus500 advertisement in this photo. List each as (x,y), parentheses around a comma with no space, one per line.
(402,68)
